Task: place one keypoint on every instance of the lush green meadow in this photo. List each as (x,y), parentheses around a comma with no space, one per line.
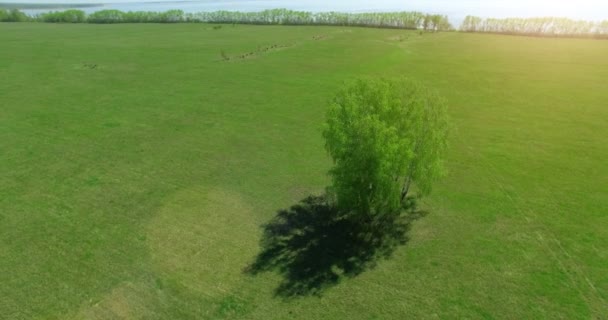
(137,167)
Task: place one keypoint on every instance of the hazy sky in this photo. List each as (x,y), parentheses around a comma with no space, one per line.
(583,9)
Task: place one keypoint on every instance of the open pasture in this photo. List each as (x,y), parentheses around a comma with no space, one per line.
(138,164)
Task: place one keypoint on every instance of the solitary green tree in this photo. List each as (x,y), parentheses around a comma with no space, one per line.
(384,136)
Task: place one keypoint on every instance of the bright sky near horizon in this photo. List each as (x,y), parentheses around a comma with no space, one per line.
(581,9)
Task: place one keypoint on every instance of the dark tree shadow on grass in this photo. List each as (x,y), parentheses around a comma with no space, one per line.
(314,247)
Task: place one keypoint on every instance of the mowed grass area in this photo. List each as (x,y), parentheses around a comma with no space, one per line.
(137,168)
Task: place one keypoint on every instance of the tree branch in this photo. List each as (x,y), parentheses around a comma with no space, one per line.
(406,187)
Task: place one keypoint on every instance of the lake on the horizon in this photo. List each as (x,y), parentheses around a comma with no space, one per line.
(455,10)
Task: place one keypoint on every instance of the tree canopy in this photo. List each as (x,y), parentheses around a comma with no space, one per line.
(401,20)
(544,26)
(384,135)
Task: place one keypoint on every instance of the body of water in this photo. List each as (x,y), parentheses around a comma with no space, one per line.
(456,10)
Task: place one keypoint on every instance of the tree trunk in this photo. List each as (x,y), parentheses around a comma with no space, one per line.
(406,188)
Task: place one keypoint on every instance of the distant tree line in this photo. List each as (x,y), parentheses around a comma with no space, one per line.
(117,16)
(402,20)
(546,26)
(13,15)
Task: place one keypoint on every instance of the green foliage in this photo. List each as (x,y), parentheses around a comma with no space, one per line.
(13,15)
(117,16)
(106,16)
(549,26)
(402,20)
(139,17)
(69,16)
(552,26)
(384,135)
(171,16)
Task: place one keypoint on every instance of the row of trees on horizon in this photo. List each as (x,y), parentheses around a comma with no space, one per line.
(545,26)
(403,20)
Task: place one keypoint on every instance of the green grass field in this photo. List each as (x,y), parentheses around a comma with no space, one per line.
(137,168)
